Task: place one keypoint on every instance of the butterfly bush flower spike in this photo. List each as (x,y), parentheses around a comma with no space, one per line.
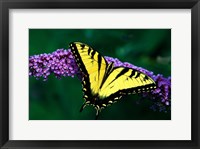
(61,63)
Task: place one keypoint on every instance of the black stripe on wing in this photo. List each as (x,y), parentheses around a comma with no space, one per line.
(93,53)
(125,70)
(99,64)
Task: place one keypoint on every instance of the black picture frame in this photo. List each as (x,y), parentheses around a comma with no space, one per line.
(5,5)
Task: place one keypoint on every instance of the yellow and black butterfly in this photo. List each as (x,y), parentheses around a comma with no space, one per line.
(104,84)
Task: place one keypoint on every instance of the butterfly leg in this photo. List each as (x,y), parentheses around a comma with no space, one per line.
(82,107)
(97,115)
(97,112)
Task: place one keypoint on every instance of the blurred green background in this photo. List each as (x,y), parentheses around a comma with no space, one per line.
(61,99)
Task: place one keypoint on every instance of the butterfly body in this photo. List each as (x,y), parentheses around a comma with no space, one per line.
(102,83)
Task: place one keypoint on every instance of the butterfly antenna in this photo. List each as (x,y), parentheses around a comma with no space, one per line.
(82,107)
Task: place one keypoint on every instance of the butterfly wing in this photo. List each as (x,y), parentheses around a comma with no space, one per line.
(122,81)
(92,65)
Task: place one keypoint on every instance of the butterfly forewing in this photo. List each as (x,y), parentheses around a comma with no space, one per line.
(91,63)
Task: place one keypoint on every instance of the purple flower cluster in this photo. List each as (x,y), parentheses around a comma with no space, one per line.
(61,63)
(161,96)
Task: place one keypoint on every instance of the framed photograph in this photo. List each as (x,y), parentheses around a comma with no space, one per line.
(99,74)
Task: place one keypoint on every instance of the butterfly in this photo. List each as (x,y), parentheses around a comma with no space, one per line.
(102,83)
